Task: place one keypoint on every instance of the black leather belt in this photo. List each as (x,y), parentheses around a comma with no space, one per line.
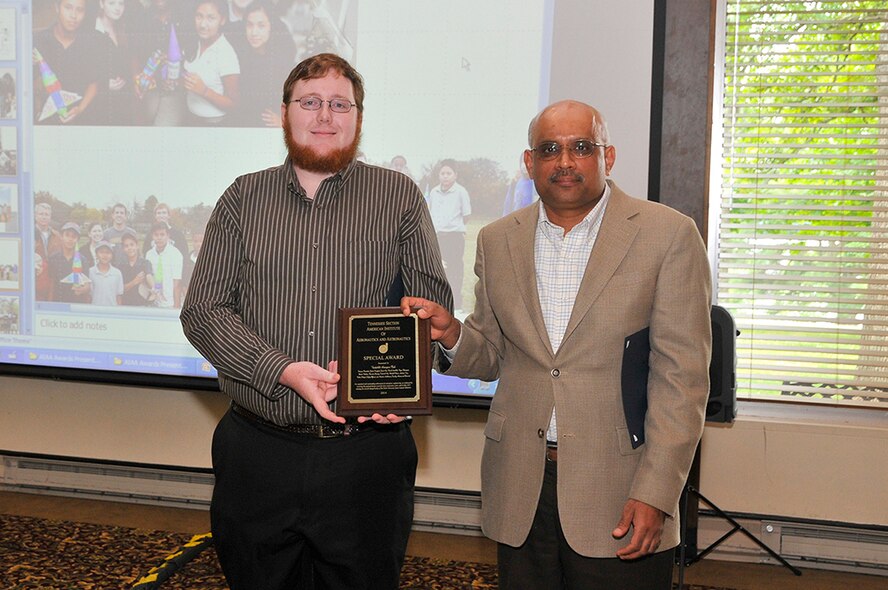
(330,430)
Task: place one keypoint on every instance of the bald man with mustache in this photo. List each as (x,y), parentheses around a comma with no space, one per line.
(593,311)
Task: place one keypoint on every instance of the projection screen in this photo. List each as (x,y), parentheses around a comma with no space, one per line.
(101,139)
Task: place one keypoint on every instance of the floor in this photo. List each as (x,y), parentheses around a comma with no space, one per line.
(740,576)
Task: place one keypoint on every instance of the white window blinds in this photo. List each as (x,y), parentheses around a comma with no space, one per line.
(803,206)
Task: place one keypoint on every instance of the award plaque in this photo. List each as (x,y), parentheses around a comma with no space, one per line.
(384,362)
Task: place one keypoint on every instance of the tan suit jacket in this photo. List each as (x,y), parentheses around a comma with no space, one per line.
(648,268)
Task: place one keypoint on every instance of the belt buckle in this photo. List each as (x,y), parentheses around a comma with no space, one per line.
(325,431)
(336,430)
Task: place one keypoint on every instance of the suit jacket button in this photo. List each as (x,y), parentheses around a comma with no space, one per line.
(556,372)
(541,433)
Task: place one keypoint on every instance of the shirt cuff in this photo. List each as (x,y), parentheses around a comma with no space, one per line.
(450,353)
(267,373)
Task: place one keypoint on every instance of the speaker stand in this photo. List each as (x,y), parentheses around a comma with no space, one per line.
(687,553)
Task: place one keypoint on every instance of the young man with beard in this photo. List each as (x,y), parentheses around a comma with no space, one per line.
(301,495)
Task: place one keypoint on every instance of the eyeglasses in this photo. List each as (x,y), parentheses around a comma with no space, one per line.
(581,148)
(313,103)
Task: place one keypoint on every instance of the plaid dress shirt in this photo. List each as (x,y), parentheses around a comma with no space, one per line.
(561,260)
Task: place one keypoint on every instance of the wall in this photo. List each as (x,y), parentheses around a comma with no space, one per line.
(175,428)
(817,463)
(814,463)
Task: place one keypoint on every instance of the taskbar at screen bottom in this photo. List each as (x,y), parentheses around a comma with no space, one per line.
(456,385)
(106,361)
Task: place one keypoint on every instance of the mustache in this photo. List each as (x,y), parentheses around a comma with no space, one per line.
(566,173)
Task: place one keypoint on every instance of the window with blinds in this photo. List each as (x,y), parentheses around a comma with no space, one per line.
(803,204)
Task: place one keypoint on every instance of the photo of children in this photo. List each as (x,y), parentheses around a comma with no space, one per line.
(177,63)
(10,264)
(99,257)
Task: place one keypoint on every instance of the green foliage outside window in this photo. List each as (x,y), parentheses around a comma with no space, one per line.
(803,224)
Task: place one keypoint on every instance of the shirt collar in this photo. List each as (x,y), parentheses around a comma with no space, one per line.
(585,227)
(339,178)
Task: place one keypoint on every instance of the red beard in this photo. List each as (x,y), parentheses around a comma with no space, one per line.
(307,158)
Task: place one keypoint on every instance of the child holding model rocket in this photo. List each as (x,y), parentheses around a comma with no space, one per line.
(67,68)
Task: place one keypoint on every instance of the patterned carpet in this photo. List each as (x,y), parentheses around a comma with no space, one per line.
(39,554)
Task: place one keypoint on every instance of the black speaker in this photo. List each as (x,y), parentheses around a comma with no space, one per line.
(722,403)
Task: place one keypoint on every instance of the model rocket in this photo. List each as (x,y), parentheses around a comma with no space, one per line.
(145,79)
(59,100)
(76,277)
(173,68)
(158,275)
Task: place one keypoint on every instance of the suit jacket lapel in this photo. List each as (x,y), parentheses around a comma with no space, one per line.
(520,239)
(614,239)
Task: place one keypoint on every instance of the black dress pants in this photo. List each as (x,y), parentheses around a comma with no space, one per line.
(546,562)
(291,511)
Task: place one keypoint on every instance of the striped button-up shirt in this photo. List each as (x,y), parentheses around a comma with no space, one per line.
(276,265)
(561,261)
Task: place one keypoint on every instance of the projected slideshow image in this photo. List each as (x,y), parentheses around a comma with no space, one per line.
(10,265)
(8,103)
(177,62)
(9,217)
(133,136)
